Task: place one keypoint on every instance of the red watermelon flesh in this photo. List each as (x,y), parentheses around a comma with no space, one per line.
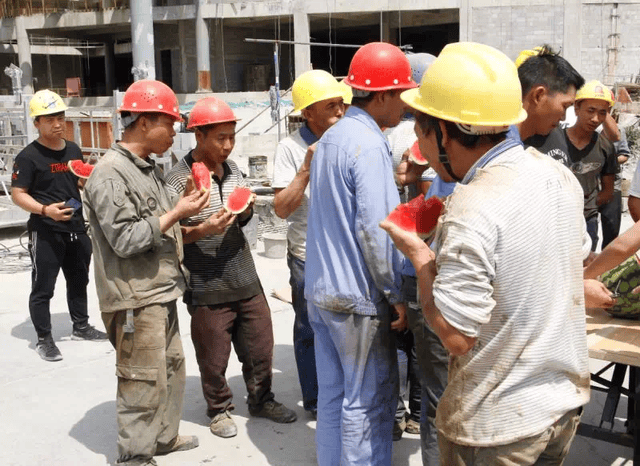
(239,200)
(80,168)
(419,216)
(201,176)
(415,155)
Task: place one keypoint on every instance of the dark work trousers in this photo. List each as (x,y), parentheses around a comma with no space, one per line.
(303,346)
(246,324)
(610,215)
(51,251)
(409,373)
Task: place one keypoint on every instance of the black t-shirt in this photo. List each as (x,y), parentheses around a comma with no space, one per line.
(45,175)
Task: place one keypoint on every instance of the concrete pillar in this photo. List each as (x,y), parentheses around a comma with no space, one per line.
(202,50)
(109,67)
(572,36)
(465,21)
(144,66)
(24,55)
(182,42)
(385,27)
(301,33)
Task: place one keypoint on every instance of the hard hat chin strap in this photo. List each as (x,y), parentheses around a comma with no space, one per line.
(443,156)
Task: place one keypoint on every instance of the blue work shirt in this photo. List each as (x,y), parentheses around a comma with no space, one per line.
(352,264)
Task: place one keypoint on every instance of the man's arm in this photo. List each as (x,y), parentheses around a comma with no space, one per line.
(216,224)
(606,193)
(56,211)
(617,251)
(610,128)
(288,199)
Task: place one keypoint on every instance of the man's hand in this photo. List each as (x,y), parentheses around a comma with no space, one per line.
(192,203)
(218,222)
(400,323)
(59,212)
(407,243)
(306,165)
(596,295)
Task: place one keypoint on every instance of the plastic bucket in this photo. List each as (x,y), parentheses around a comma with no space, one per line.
(275,245)
(258,166)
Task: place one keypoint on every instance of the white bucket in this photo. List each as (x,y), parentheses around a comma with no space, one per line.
(275,245)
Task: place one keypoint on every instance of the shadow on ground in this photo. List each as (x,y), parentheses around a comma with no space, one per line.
(97,430)
(61,327)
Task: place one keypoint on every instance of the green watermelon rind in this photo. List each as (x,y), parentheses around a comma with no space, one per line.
(623,279)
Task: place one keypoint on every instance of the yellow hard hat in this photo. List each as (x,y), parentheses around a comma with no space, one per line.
(526,54)
(347,92)
(45,102)
(473,85)
(313,86)
(595,90)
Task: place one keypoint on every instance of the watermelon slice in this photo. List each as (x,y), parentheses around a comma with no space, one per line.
(418,216)
(239,200)
(80,168)
(201,176)
(415,156)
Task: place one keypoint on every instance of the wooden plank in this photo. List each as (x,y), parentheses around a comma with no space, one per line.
(611,339)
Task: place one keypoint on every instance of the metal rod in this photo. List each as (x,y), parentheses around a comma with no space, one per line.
(320,44)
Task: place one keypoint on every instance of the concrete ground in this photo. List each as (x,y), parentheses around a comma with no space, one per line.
(63,413)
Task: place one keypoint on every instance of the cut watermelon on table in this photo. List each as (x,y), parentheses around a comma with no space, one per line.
(239,200)
(419,216)
(80,168)
(201,176)
(415,156)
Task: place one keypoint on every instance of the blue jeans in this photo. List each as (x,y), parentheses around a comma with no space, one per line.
(358,387)
(410,385)
(433,360)
(592,229)
(303,347)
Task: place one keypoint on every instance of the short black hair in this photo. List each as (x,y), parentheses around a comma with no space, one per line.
(429,123)
(362,102)
(547,68)
(151,116)
(49,115)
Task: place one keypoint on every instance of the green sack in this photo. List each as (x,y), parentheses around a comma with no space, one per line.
(622,280)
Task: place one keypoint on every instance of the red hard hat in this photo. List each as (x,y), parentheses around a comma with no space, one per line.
(150,96)
(379,66)
(209,111)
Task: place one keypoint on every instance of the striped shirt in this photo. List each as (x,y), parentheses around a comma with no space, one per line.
(509,257)
(221,266)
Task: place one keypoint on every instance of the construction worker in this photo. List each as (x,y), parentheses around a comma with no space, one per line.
(587,153)
(320,98)
(225,297)
(43,185)
(512,318)
(352,271)
(138,272)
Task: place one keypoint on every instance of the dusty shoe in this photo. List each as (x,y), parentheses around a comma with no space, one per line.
(47,349)
(398,429)
(137,461)
(413,427)
(223,426)
(88,333)
(275,411)
(180,443)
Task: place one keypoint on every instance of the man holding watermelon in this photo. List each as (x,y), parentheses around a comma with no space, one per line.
(225,297)
(319,97)
(139,275)
(506,302)
(43,185)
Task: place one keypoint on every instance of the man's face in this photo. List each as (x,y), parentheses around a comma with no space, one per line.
(160,133)
(590,113)
(51,126)
(218,142)
(428,145)
(324,114)
(395,108)
(552,110)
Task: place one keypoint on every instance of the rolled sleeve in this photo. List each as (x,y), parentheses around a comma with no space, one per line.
(462,290)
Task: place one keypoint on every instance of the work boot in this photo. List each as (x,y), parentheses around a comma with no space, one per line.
(89,333)
(398,429)
(180,443)
(413,427)
(223,426)
(137,461)
(47,349)
(275,411)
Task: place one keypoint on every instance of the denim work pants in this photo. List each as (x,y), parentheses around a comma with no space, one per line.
(358,387)
(303,336)
(246,324)
(409,376)
(592,229)
(51,251)
(433,360)
(151,378)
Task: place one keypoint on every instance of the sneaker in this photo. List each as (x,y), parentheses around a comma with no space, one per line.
(275,411)
(180,443)
(413,427)
(398,429)
(223,426)
(48,350)
(88,333)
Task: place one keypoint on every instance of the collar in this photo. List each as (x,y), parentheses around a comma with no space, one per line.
(142,164)
(493,153)
(307,136)
(362,116)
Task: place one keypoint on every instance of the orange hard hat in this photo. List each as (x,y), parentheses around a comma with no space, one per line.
(380,66)
(209,111)
(150,96)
